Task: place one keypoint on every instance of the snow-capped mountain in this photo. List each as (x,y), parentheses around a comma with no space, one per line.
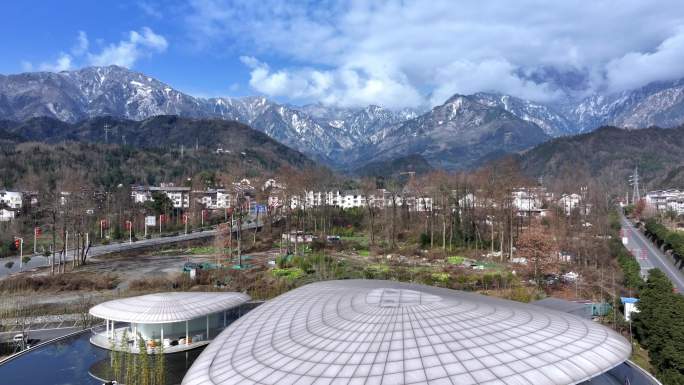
(71,96)
(546,117)
(359,125)
(457,133)
(657,104)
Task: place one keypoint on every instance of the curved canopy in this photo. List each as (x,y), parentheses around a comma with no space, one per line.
(167,307)
(382,332)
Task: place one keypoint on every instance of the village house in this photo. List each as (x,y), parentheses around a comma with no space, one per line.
(11,199)
(213,199)
(665,200)
(179,196)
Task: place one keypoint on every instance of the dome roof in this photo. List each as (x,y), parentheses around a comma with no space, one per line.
(167,307)
(382,332)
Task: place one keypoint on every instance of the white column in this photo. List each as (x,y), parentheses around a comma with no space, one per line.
(107,327)
(187,335)
(207,327)
(162,333)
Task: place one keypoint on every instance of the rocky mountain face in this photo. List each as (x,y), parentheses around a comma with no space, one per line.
(658,104)
(460,133)
(71,96)
(546,117)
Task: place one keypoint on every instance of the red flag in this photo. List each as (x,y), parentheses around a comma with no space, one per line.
(185,219)
(17,243)
(37,231)
(204,213)
(103,223)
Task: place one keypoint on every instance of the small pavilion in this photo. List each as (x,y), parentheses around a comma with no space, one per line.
(178,321)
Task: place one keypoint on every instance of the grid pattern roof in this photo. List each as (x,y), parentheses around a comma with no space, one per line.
(381,332)
(167,307)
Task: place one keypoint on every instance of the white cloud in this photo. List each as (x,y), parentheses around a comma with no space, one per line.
(63,63)
(127,52)
(124,53)
(635,69)
(467,77)
(342,87)
(439,47)
(82,44)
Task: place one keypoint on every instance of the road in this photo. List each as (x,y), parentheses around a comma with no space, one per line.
(99,250)
(649,256)
(39,335)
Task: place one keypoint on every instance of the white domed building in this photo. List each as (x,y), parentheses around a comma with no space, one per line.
(383,332)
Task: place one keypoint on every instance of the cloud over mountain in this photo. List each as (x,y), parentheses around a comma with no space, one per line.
(406,53)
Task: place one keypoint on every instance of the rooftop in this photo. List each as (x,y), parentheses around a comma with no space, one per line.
(384,332)
(167,307)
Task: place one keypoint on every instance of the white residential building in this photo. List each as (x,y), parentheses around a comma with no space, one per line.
(356,199)
(11,199)
(214,199)
(179,196)
(665,200)
(527,200)
(569,202)
(7,215)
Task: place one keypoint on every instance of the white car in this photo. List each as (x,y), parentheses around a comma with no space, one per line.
(18,338)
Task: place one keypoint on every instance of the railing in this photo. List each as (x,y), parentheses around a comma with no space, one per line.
(172,344)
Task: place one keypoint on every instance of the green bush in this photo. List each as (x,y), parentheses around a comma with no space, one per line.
(455,260)
(442,278)
(629,265)
(289,273)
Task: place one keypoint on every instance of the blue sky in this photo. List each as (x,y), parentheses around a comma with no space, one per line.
(352,53)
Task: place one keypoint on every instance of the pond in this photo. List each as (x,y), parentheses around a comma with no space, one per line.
(75,361)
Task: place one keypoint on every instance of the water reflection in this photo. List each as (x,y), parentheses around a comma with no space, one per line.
(75,361)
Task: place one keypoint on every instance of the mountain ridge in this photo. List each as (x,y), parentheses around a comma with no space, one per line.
(343,138)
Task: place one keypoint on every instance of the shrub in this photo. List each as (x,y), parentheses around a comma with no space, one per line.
(455,260)
(289,273)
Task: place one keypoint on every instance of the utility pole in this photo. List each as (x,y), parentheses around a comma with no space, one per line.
(35,239)
(634,180)
(129,224)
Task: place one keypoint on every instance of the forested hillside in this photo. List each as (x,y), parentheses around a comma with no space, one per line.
(43,152)
(610,154)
